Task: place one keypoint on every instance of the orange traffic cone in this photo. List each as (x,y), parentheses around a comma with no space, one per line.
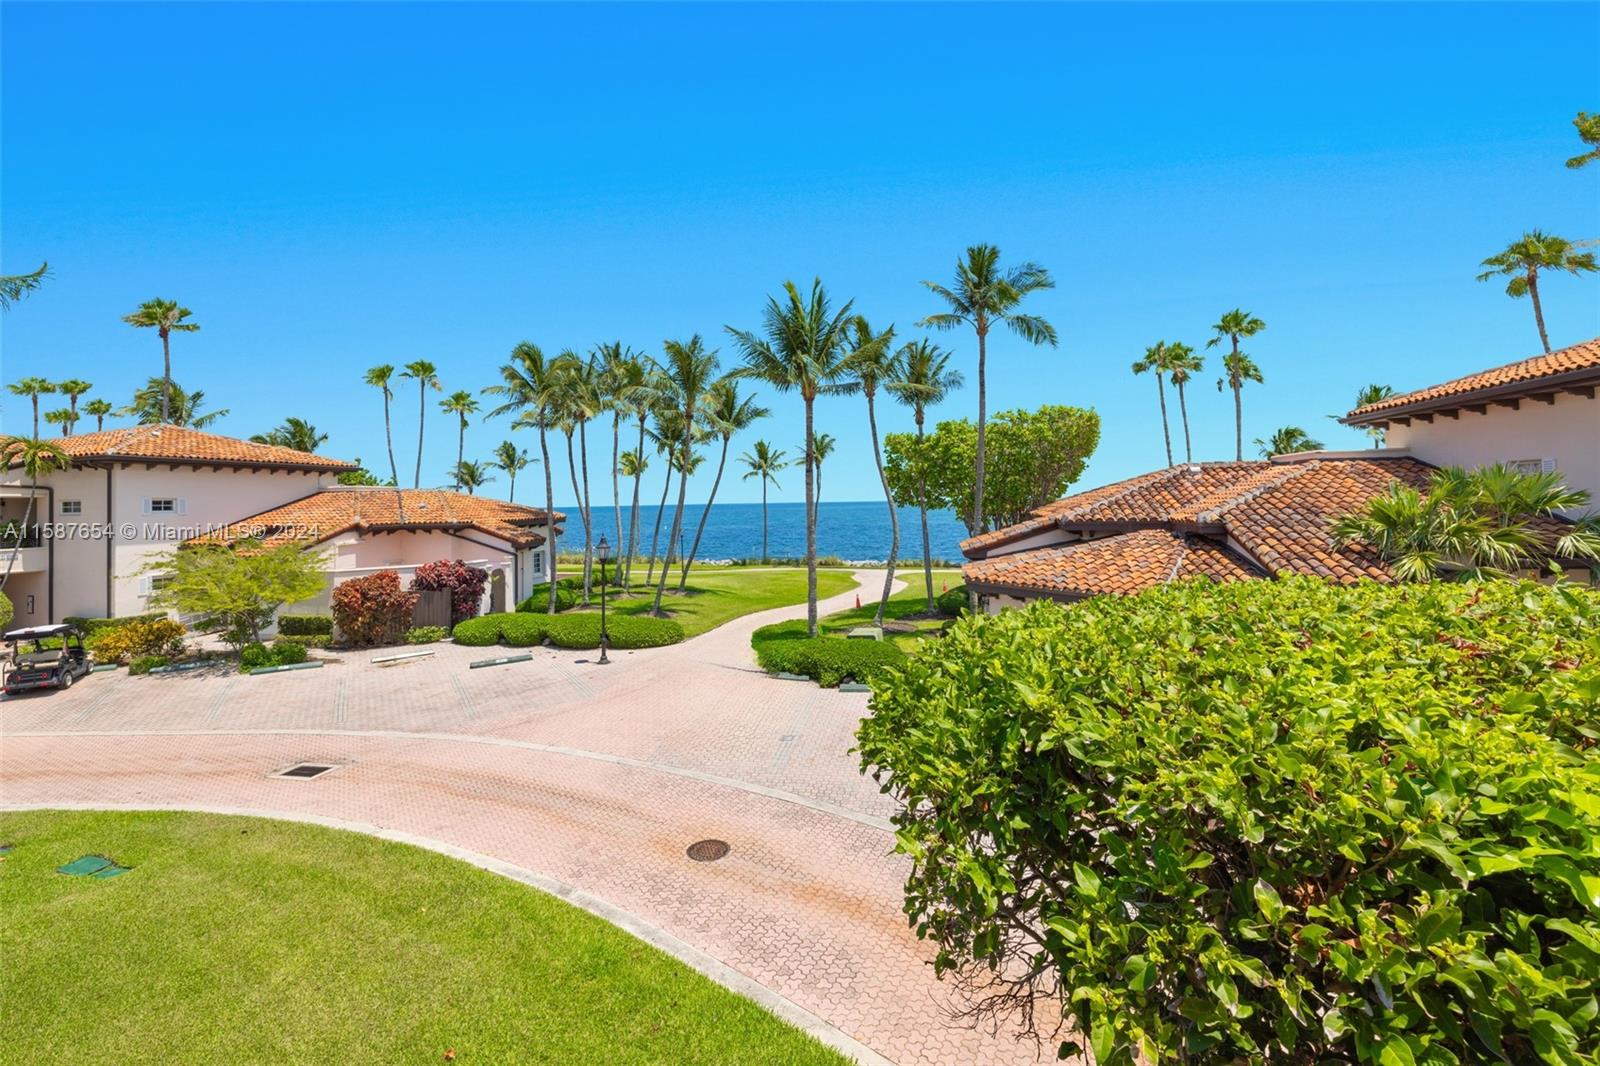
(858,601)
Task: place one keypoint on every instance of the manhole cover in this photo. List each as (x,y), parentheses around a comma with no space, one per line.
(305,770)
(707,850)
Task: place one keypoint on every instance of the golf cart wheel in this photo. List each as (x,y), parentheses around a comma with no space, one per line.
(66,679)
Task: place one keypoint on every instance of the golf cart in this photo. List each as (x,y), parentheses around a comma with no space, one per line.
(30,664)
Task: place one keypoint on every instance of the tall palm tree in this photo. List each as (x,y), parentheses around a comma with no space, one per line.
(166,318)
(1588,127)
(799,350)
(472,476)
(874,365)
(426,376)
(1237,366)
(689,372)
(159,401)
(62,417)
(636,390)
(925,380)
(460,403)
(1156,360)
(378,377)
(14,287)
(1183,362)
(33,388)
(37,458)
(295,433)
(726,413)
(578,402)
(73,388)
(1286,440)
(97,410)
(667,436)
(821,448)
(764,462)
(511,459)
(1525,257)
(528,384)
(982,295)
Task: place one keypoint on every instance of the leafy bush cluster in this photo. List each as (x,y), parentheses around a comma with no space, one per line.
(373,609)
(567,592)
(311,640)
(523,630)
(464,583)
(6,611)
(256,656)
(305,625)
(155,636)
(90,626)
(424,634)
(143,664)
(829,661)
(953,602)
(1275,821)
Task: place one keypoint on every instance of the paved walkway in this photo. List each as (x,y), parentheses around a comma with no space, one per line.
(589,777)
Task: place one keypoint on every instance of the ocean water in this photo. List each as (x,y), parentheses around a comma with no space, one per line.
(854,530)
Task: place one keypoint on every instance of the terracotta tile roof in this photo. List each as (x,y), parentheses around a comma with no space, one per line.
(1122,563)
(322,515)
(182,444)
(1564,361)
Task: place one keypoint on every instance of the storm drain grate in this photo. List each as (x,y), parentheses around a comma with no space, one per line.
(707,850)
(302,771)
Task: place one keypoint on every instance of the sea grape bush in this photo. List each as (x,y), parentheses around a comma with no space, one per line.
(464,583)
(373,609)
(1272,821)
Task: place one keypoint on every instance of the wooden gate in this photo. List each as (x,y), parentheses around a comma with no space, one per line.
(433,608)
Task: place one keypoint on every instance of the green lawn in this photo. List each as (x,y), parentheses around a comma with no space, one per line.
(718,596)
(248,940)
(908,601)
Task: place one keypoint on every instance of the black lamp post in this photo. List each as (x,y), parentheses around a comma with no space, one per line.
(603,550)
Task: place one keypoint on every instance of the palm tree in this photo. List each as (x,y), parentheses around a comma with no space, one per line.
(37,458)
(1524,258)
(427,377)
(667,436)
(618,370)
(821,448)
(460,403)
(14,287)
(764,463)
(529,387)
(511,459)
(62,417)
(295,433)
(1238,367)
(159,401)
(1156,359)
(982,295)
(471,476)
(800,351)
(72,388)
(726,413)
(97,410)
(1588,127)
(635,390)
(1371,394)
(689,373)
(378,377)
(166,318)
(874,365)
(1286,440)
(33,388)
(924,381)
(1183,362)
(578,401)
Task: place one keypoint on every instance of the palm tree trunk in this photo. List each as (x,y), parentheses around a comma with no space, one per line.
(894,515)
(764,556)
(811,526)
(513,473)
(694,549)
(388,435)
(99,423)
(166,379)
(677,514)
(422,417)
(922,509)
(1538,310)
(661,509)
(633,516)
(616,490)
(1238,423)
(36,416)
(1166,431)
(588,511)
(461,449)
(1183,409)
(572,468)
(549,509)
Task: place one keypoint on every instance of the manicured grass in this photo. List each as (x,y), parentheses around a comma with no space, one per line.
(249,940)
(718,596)
(908,601)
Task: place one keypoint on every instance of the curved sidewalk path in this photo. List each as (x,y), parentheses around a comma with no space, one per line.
(590,780)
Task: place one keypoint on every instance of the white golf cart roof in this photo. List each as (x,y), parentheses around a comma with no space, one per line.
(37,632)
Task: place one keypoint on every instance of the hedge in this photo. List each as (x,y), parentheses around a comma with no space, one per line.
(131,640)
(1270,821)
(567,593)
(522,630)
(145,663)
(305,625)
(829,661)
(256,656)
(90,626)
(952,602)
(310,640)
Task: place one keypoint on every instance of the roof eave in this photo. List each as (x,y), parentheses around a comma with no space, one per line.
(1581,382)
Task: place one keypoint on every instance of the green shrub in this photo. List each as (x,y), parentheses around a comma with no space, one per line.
(478,632)
(156,636)
(538,601)
(287,653)
(256,656)
(624,631)
(305,625)
(522,630)
(145,663)
(424,634)
(314,640)
(953,602)
(829,661)
(90,626)
(1269,821)
(6,611)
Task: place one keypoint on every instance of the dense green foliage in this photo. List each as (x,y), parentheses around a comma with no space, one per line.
(1273,821)
(311,640)
(283,653)
(567,591)
(152,636)
(305,625)
(953,602)
(784,648)
(236,588)
(6,611)
(425,634)
(522,630)
(145,663)
(90,626)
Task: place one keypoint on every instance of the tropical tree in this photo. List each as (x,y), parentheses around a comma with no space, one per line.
(426,375)
(37,458)
(472,476)
(578,401)
(821,448)
(378,377)
(159,401)
(874,365)
(635,385)
(73,388)
(1371,394)
(1286,440)
(925,379)
(689,371)
(726,413)
(32,388)
(13,287)
(1485,522)
(982,295)
(295,433)
(632,464)
(1237,366)
(166,318)
(236,588)
(97,410)
(528,385)
(1525,257)
(1157,360)
(513,460)
(61,417)
(798,350)
(763,462)
(1183,362)
(666,434)
(1588,127)
(460,403)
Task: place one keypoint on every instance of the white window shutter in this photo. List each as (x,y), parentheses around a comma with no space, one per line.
(183,505)
(1547,466)
(146,503)
(144,585)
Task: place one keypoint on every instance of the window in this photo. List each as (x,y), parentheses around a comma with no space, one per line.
(165,505)
(1532,466)
(71,506)
(536,564)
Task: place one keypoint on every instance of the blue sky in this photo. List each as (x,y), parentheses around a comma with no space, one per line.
(330,187)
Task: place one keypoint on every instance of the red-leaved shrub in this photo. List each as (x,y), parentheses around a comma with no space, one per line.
(464,583)
(373,609)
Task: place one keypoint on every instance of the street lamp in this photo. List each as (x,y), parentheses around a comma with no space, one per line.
(603,550)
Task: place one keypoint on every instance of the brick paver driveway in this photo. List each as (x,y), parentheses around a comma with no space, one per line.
(591,777)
